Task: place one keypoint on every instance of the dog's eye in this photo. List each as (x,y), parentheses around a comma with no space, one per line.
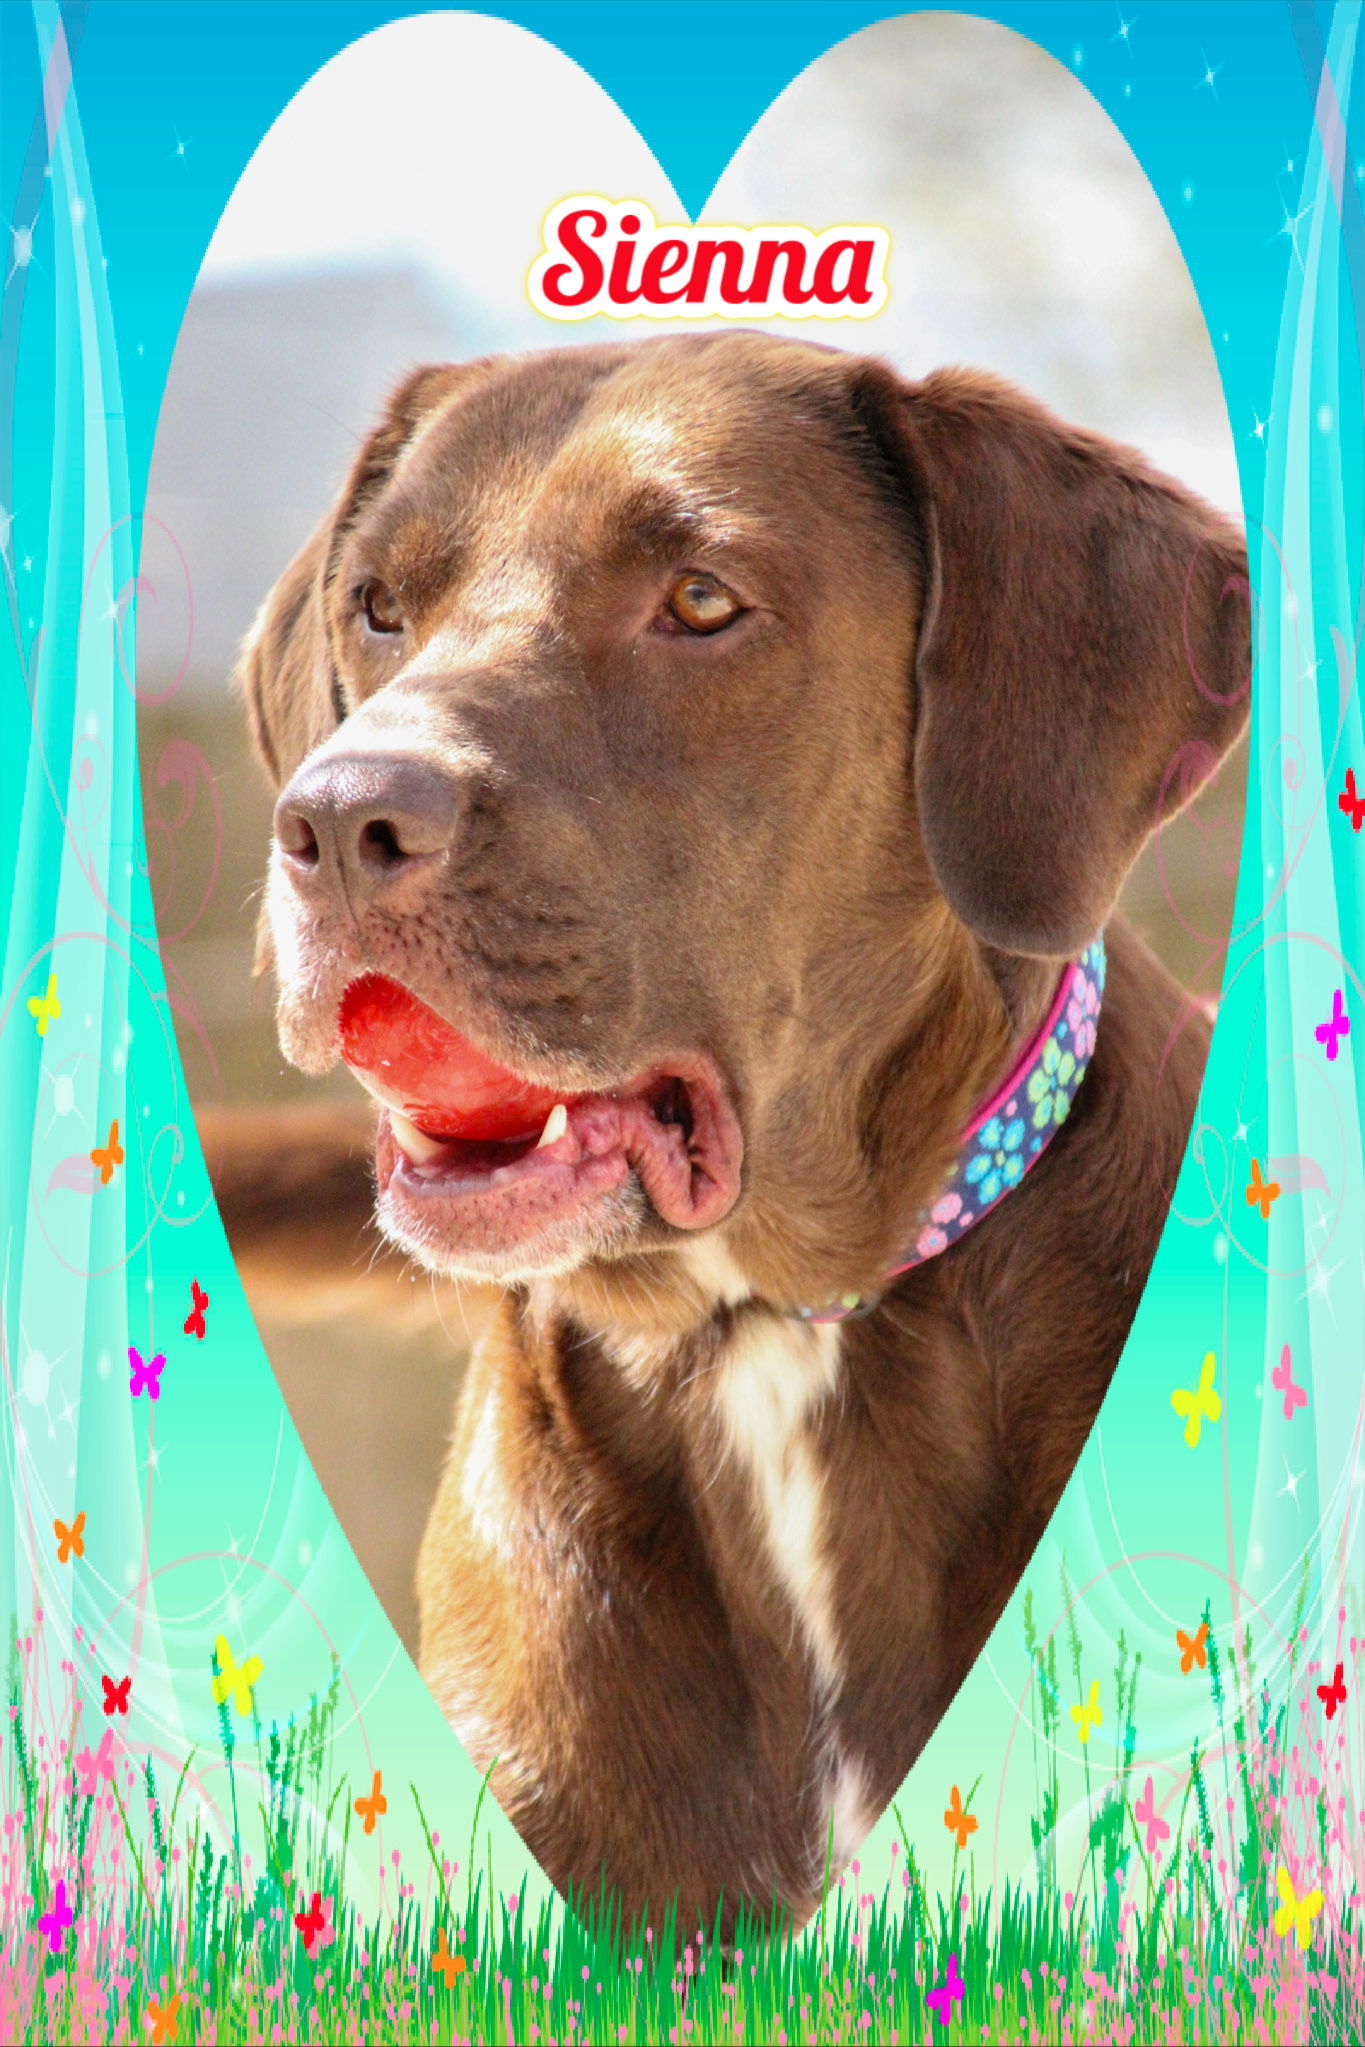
(382,611)
(702,604)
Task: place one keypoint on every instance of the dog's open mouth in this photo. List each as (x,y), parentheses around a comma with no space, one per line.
(482,1159)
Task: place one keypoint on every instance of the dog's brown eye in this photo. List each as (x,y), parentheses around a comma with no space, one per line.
(702,604)
(382,611)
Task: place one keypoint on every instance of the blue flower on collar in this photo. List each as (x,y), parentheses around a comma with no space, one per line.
(998,1161)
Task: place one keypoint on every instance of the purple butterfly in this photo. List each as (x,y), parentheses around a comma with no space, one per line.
(1282,1379)
(146,1377)
(942,1999)
(55,1922)
(1337,1026)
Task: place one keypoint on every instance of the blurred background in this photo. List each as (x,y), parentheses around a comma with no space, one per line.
(389,218)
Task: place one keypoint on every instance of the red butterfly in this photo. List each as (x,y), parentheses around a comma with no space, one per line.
(194,1322)
(311,1922)
(1334,1694)
(1352,805)
(116,1695)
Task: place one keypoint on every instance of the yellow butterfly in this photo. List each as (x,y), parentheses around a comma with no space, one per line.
(1089,1716)
(230,1679)
(1296,1912)
(45,1009)
(1200,1406)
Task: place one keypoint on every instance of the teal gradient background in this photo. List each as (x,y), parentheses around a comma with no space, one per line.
(203,1515)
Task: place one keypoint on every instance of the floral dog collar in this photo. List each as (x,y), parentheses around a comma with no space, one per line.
(1012,1130)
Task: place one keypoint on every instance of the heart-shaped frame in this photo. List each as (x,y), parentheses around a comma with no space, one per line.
(1245,1273)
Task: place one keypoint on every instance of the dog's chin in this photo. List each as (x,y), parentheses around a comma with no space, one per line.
(619,1224)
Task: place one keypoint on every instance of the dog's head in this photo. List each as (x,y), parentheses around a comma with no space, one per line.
(676,742)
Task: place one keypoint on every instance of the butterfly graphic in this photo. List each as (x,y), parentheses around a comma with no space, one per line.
(116,1695)
(371,1808)
(1200,1406)
(958,1821)
(1193,1648)
(944,1996)
(70,1541)
(1282,1379)
(230,1681)
(1296,1912)
(1089,1716)
(450,1965)
(1334,1694)
(194,1321)
(107,1156)
(1158,1830)
(146,1375)
(45,1009)
(92,1765)
(315,1924)
(55,1922)
(1337,1026)
(1261,1193)
(164,2019)
(1349,803)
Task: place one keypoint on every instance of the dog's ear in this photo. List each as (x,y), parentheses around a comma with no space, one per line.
(1084,651)
(287,672)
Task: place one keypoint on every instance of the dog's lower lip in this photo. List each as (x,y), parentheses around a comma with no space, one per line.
(678,1137)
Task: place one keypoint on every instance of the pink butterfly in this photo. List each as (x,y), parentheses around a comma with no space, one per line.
(94,1764)
(942,1999)
(1337,1026)
(1282,1379)
(55,1922)
(146,1376)
(1148,1816)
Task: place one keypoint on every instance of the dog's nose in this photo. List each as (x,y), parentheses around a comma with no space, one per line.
(365,822)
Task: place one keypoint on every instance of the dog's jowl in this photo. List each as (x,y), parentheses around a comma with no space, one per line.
(706,771)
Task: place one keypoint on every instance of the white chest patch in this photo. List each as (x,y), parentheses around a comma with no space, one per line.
(772,1379)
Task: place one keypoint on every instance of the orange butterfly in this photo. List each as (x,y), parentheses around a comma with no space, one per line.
(450,1965)
(164,2022)
(958,1821)
(1193,1648)
(70,1541)
(371,1808)
(107,1156)
(1261,1192)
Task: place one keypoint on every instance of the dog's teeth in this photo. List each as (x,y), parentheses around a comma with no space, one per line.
(556,1123)
(412,1142)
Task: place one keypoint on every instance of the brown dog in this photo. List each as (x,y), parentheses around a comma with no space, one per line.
(733,741)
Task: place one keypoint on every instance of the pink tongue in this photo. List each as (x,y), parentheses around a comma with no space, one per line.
(439,1080)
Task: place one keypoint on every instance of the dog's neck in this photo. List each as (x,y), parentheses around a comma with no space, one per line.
(644,1308)
(1010,1130)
